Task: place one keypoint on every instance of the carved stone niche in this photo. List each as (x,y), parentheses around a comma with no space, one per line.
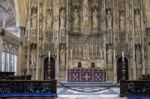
(138,46)
(33,45)
(108,46)
(109,18)
(34,9)
(62,45)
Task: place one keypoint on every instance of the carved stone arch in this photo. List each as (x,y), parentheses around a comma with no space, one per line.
(52,67)
(119,68)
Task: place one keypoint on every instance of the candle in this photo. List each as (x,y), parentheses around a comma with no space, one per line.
(122,56)
(49,56)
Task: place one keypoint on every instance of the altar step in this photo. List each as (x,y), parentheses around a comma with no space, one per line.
(88,90)
(88,84)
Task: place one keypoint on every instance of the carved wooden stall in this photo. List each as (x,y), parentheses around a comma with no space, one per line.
(14,86)
(28,89)
(134,88)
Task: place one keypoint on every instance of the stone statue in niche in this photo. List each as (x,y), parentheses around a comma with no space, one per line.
(137,18)
(62,55)
(49,18)
(138,54)
(76,20)
(33,58)
(109,19)
(122,21)
(85,11)
(138,58)
(95,19)
(33,17)
(62,60)
(33,62)
(109,55)
(62,18)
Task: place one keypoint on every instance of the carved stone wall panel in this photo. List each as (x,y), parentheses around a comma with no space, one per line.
(86,27)
(85,47)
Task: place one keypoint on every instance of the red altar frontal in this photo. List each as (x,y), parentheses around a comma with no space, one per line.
(92,74)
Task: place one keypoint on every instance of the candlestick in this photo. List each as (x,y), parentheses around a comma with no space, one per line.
(122,56)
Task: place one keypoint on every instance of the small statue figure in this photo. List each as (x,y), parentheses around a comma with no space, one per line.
(138,54)
(122,21)
(95,19)
(62,18)
(49,18)
(109,55)
(137,19)
(76,20)
(33,17)
(109,19)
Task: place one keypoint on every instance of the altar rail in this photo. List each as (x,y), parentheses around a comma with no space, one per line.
(92,74)
(27,88)
(134,88)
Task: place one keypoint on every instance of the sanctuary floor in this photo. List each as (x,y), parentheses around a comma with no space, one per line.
(110,93)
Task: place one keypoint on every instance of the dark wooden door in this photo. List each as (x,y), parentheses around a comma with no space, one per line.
(52,67)
(119,69)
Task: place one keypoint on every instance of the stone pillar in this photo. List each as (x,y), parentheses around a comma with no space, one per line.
(143,36)
(67,38)
(20,65)
(146,12)
(37,44)
(147,67)
(133,45)
(1,49)
(115,66)
(20,55)
(56,34)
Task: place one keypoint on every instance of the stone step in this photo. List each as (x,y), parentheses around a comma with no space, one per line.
(88,84)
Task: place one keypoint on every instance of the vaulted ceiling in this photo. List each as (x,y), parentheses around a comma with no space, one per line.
(7,14)
(13,14)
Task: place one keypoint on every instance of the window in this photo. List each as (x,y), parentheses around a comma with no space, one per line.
(9,58)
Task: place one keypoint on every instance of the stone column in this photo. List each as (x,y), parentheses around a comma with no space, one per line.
(1,50)
(56,34)
(20,55)
(133,45)
(20,65)
(143,36)
(37,43)
(147,67)
(67,38)
(146,12)
(115,68)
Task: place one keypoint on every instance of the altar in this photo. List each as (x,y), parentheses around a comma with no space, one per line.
(92,74)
